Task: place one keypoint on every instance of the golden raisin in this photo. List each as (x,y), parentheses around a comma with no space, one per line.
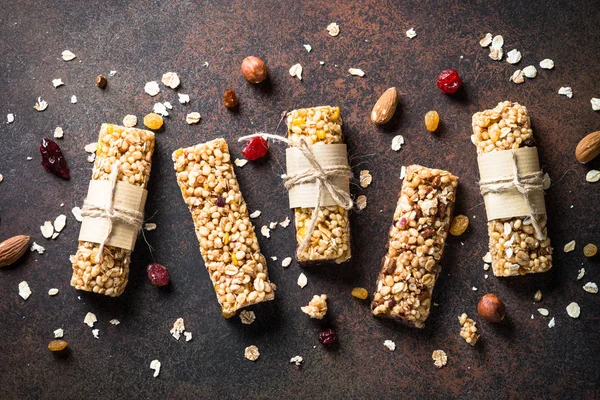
(230,98)
(57,345)
(153,121)
(590,250)
(460,223)
(432,120)
(360,293)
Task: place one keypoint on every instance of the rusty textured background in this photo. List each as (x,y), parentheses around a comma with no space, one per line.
(521,358)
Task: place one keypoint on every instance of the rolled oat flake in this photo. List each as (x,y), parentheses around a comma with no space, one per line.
(573,310)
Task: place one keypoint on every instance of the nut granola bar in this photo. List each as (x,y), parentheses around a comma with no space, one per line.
(513,244)
(416,246)
(331,237)
(133,148)
(228,243)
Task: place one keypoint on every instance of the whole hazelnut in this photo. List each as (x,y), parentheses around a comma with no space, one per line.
(230,98)
(254,69)
(101,81)
(491,308)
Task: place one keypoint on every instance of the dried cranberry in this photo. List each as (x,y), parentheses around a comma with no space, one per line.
(449,81)
(255,148)
(529,143)
(327,337)
(53,160)
(220,201)
(158,274)
(403,222)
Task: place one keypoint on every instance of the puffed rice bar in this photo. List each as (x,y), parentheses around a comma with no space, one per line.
(133,148)
(513,245)
(331,237)
(228,243)
(415,246)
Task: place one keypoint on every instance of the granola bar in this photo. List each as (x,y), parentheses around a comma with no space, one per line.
(513,244)
(133,149)
(415,246)
(228,243)
(331,238)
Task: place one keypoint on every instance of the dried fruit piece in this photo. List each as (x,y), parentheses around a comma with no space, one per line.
(57,345)
(101,81)
(255,148)
(158,275)
(12,249)
(432,120)
(230,99)
(327,337)
(360,293)
(460,223)
(589,250)
(449,81)
(254,69)
(491,308)
(153,121)
(53,160)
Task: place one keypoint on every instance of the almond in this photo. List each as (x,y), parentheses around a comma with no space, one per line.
(588,147)
(385,107)
(12,249)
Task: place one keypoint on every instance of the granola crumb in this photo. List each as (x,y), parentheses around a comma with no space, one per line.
(178,328)
(361,202)
(390,345)
(317,307)
(114,321)
(58,333)
(155,365)
(90,319)
(552,323)
(285,223)
(247,317)
(298,360)
(365,178)
(440,358)
(468,330)
(240,163)
(251,353)
(397,142)
(265,231)
(411,33)
(188,336)
(566,91)
(255,214)
(95,333)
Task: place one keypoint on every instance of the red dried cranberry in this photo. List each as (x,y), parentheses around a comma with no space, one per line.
(158,274)
(255,148)
(220,201)
(403,222)
(327,337)
(449,81)
(53,160)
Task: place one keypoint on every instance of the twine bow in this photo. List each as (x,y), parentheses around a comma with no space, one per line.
(111,213)
(322,176)
(526,184)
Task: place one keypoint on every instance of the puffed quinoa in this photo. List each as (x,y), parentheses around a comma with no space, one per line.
(317,307)
(330,240)
(415,246)
(228,243)
(440,358)
(468,329)
(514,247)
(133,148)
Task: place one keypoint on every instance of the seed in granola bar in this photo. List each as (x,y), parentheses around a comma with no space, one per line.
(460,223)
(528,142)
(57,345)
(590,250)
(255,148)
(158,274)
(449,81)
(153,121)
(432,120)
(53,159)
(230,99)
(360,293)
(327,337)
(491,308)
(101,81)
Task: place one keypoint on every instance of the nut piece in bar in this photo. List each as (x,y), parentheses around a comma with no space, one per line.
(415,246)
(228,243)
(331,237)
(513,244)
(133,149)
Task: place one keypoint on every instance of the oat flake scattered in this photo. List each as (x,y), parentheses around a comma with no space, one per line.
(95,333)
(272,225)
(569,246)
(255,214)
(298,360)
(90,319)
(390,345)
(487,258)
(77,213)
(171,79)
(397,142)
(130,121)
(251,353)
(114,321)
(285,223)
(543,312)
(47,229)
(38,248)
(183,98)
(552,323)
(68,56)
(274,258)
(361,202)
(566,91)
(91,147)
(592,176)
(517,77)
(333,29)
(112,73)
(286,262)
(530,71)
(411,33)
(595,104)
(149,226)
(73,99)
(365,178)
(57,82)
(188,336)
(193,118)
(240,162)
(155,365)
(356,72)
(573,310)
(160,108)
(308,47)
(296,70)
(440,358)
(547,63)
(178,328)
(486,41)
(265,231)
(60,222)
(41,105)
(58,333)
(247,317)
(513,56)
(591,287)
(580,273)
(496,53)
(152,88)
(58,132)
(10,118)
(302,280)
(24,290)
(53,292)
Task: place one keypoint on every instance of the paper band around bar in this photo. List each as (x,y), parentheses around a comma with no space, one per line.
(127,197)
(498,166)
(327,155)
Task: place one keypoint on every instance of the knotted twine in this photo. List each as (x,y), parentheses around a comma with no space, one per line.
(526,184)
(318,174)
(111,213)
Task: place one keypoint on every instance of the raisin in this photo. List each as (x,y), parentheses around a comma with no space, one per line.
(220,201)
(153,121)
(158,274)
(427,232)
(327,337)
(101,81)
(528,143)
(57,345)
(432,120)
(460,223)
(53,159)
(230,98)
(449,81)
(360,293)
(255,148)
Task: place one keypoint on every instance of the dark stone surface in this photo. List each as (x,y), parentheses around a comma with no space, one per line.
(521,358)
